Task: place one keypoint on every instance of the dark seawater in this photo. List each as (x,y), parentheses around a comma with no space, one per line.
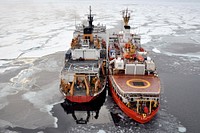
(182,92)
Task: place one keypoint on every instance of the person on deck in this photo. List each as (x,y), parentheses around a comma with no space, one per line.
(146,110)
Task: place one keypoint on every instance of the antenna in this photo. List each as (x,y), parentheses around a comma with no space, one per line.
(90,11)
(90,17)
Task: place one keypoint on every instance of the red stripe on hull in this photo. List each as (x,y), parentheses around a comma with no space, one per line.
(84,99)
(80,99)
(132,114)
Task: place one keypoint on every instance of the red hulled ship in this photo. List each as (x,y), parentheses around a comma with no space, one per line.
(83,76)
(133,80)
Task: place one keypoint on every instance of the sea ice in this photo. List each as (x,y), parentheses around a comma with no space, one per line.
(145,39)
(40,99)
(182,129)
(156,50)
(7,89)
(9,52)
(4,124)
(24,78)
(2,70)
(3,102)
(161,30)
(2,62)
(57,43)
(101,131)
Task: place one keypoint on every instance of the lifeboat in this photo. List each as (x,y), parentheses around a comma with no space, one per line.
(140,58)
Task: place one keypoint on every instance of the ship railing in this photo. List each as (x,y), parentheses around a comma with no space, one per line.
(74,69)
(116,88)
(150,104)
(99,29)
(140,95)
(82,71)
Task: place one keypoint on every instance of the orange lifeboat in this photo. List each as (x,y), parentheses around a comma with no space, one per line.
(140,58)
(126,56)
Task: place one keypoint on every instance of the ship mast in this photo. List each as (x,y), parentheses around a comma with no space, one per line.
(90,18)
(89,28)
(126,16)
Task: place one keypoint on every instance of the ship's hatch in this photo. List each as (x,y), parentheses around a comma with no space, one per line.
(138,84)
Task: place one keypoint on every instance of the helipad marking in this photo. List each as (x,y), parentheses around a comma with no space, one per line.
(138,80)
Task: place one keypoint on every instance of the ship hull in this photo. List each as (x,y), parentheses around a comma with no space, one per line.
(95,104)
(132,114)
(85,99)
(80,99)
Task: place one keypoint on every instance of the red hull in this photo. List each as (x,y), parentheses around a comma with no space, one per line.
(80,99)
(130,112)
(84,99)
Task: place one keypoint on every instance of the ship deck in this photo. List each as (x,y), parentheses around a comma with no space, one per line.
(86,66)
(137,84)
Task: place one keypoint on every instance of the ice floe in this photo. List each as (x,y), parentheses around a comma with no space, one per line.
(101,131)
(2,70)
(3,102)
(8,89)
(145,39)
(25,77)
(45,98)
(182,129)
(162,30)
(156,50)
(2,62)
